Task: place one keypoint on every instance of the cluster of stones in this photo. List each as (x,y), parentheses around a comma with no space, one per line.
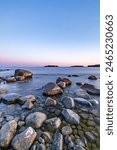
(65,123)
(19,75)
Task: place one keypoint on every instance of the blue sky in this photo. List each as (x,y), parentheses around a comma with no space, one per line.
(41,32)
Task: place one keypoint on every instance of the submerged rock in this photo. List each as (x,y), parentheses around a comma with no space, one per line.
(20,78)
(83,102)
(66,130)
(61,84)
(53,123)
(82,93)
(90,137)
(10,98)
(50,102)
(68,102)
(10,79)
(71,116)
(52,89)
(24,140)
(58,141)
(7,132)
(66,80)
(3,90)
(24,73)
(36,119)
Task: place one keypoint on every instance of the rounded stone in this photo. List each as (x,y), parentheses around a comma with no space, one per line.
(66,130)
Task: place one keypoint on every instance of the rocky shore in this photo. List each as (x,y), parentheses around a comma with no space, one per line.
(61,119)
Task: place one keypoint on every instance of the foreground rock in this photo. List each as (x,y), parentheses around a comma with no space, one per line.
(7,132)
(3,90)
(83,102)
(61,84)
(66,80)
(58,141)
(24,73)
(50,102)
(92,77)
(90,136)
(53,123)
(66,130)
(82,93)
(36,119)
(10,98)
(24,140)
(68,102)
(71,116)
(52,89)
(91,89)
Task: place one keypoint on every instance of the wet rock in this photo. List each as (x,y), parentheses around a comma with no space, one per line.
(61,84)
(36,119)
(68,102)
(1,114)
(53,123)
(51,89)
(50,102)
(94,91)
(94,102)
(71,116)
(82,93)
(10,79)
(3,90)
(7,132)
(90,137)
(20,78)
(10,98)
(97,120)
(28,105)
(47,137)
(66,130)
(83,102)
(58,141)
(24,73)
(66,80)
(79,142)
(92,77)
(79,148)
(41,147)
(21,123)
(28,98)
(9,117)
(24,140)
(79,83)
(87,86)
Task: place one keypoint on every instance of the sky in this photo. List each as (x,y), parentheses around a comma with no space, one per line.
(45,32)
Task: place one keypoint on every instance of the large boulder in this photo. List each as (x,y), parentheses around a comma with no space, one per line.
(71,116)
(58,141)
(24,140)
(7,132)
(10,98)
(52,89)
(36,119)
(66,80)
(24,73)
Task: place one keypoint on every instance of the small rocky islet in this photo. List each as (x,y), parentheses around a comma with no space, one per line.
(62,119)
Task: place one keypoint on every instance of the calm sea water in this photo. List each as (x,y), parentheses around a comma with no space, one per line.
(43,75)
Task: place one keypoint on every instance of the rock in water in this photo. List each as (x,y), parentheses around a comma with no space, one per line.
(82,93)
(71,116)
(90,137)
(24,140)
(66,80)
(24,73)
(66,130)
(7,132)
(50,102)
(68,102)
(92,77)
(51,89)
(53,123)
(58,141)
(83,102)
(10,98)
(10,79)
(3,90)
(61,84)
(36,119)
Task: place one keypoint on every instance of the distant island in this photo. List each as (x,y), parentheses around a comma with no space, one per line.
(51,66)
(77,66)
(4,70)
(97,65)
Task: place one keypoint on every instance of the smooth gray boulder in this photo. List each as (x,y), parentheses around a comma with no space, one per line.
(83,102)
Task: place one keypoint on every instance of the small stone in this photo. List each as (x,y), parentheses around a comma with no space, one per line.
(82,94)
(66,80)
(61,84)
(36,119)
(3,90)
(90,137)
(41,140)
(91,123)
(92,77)
(20,78)
(50,102)
(58,141)
(77,147)
(97,120)
(71,116)
(66,130)
(21,123)
(47,137)
(80,142)
(53,123)
(24,140)
(7,132)
(68,102)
